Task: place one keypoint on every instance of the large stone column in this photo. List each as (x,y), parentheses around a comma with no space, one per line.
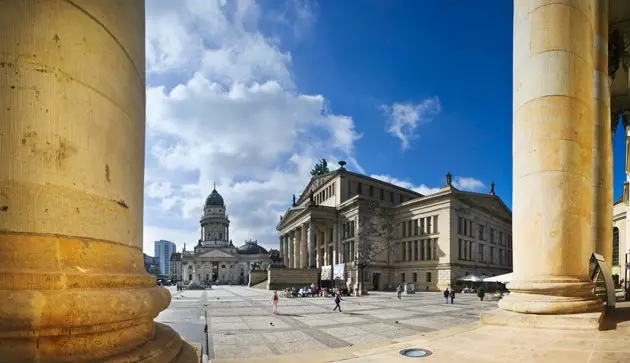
(296,255)
(553,164)
(602,214)
(72,282)
(335,258)
(312,245)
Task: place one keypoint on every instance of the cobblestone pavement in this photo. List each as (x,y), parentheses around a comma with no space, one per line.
(241,323)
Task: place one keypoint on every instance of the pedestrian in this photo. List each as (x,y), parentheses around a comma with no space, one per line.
(452,295)
(399,291)
(446,294)
(337,302)
(275,302)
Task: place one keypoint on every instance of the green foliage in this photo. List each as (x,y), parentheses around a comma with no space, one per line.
(320,168)
(481,292)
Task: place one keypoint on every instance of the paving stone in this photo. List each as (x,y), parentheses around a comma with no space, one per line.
(241,323)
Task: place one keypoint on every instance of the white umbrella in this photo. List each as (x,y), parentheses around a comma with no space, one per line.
(504,279)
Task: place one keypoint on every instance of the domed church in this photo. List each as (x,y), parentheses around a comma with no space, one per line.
(215,258)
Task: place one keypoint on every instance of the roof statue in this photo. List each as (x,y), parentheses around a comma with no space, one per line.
(492,188)
(294,200)
(310,197)
(449,179)
(341,165)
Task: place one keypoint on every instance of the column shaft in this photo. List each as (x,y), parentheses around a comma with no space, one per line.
(312,248)
(335,256)
(72,91)
(553,164)
(295,241)
(602,215)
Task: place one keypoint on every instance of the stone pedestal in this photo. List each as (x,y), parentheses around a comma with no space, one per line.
(72,282)
(553,158)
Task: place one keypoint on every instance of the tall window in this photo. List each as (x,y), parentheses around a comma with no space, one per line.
(415,277)
(402,277)
(428,277)
(615,251)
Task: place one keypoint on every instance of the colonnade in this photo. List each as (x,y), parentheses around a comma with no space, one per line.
(309,244)
(562,176)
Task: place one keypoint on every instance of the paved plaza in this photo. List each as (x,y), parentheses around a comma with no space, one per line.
(241,324)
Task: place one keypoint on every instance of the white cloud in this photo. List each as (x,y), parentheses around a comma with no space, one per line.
(462,183)
(223,106)
(404,118)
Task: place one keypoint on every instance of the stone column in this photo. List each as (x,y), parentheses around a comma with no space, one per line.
(303,247)
(281,247)
(72,128)
(296,254)
(312,248)
(335,258)
(427,254)
(602,214)
(552,147)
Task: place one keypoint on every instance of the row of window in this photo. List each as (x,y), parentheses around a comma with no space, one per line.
(418,250)
(326,193)
(379,193)
(466,253)
(418,227)
(414,277)
(465,228)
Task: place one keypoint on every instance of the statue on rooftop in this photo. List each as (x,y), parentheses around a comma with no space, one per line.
(449,179)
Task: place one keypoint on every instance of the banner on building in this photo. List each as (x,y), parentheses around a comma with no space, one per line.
(326,273)
(338,271)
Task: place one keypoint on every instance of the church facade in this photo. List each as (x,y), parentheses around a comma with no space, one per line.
(215,258)
(343,220)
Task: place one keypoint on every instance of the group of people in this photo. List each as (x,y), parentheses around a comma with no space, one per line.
(449,293)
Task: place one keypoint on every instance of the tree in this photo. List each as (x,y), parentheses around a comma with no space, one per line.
(320,168)
(375,234)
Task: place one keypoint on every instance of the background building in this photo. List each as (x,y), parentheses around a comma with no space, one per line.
(163,251)
(151,265)
(350,220)
(176,266)
(215,258)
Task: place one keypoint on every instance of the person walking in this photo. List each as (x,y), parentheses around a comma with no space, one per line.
(274,300)
(452,295)
(399,291)
(446,294)
(337,302)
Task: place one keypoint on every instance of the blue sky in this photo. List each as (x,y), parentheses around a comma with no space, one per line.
(251,94)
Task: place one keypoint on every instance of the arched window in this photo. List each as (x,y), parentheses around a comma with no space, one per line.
(615,249)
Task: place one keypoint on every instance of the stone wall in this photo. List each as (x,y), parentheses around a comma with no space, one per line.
(256,277)
(289,277)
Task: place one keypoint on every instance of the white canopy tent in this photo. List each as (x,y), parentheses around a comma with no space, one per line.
(470,278)
(504,279)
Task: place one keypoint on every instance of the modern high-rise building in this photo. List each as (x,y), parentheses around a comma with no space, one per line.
(163,251)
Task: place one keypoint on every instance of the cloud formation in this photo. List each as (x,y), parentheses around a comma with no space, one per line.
(404,118)
(222,107)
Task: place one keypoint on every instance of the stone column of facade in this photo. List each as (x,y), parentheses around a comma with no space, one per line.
(296,256)
(312,247)
(335,256)
(71,187)
(303,246)
(553,141)
(281,247)
(602,214)
(318,243)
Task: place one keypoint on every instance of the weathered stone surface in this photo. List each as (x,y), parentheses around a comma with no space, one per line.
(72,281)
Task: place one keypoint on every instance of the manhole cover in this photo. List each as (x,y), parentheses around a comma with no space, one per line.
(415,353)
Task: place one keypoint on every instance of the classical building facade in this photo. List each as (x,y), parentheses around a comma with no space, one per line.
(215,258)
(428,240)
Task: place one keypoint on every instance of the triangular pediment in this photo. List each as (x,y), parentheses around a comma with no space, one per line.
(217,254)
(492,203)
(315,183)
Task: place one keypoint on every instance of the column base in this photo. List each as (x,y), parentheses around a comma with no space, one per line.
(166,346)
(552,296)
(582,321)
